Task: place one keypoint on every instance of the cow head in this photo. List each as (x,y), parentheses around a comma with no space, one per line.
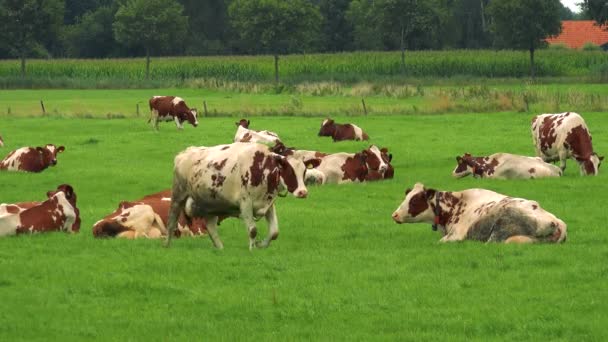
(293,173)
(374,159)
(327,128)
(243,123)
(70,196)
(465,166)
(416,207)
(592,165)
(191,116)
(388,158)
(48,153)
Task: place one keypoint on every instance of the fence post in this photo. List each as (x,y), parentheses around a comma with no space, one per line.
(137,109)
(42,105)
(364,106)
(205,107)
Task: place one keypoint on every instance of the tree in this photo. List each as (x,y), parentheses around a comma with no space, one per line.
(153,25)
(597,9)
(525,24)
(275,26)
(365,19)
(207,32)
(26,25)
(91,36)
(337,31)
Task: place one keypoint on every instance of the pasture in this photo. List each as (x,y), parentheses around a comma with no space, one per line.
(341,268)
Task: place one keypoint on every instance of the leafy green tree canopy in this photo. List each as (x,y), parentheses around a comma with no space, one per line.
(597,9)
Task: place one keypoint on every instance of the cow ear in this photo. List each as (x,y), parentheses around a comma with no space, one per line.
(407,191)
(384,150)
(69,191)
(601,158)
(248,123)
(390,157)
(40,149)
(429,193)
(312,163)
(61,149)
(49,194)
(236,124)
(458,159)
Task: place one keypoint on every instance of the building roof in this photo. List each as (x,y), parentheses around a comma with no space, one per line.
(576,33)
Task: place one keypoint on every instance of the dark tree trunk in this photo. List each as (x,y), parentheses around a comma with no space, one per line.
(276,69)
(532,67)
(147,64)
(483,17)
(23,66)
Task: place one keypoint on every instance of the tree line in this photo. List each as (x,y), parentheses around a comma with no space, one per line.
(127,28)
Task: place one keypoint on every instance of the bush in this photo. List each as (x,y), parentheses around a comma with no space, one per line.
(591,47)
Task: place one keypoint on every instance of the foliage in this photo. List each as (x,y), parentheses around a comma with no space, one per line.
(91,36)
(596,9)
(275,26)
(591,47)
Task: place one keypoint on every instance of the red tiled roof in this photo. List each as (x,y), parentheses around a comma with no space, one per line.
(575,33)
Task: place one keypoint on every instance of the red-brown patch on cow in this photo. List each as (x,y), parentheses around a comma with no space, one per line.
(243,123)
(12,209)
(218,180)
(220,165)
(534,207)
(41,218)
(532,170)
(579,142)
(257,169)
(320,155)
(289,175)
(344,132)
(355,168)
(417,204)
(253,232)
(245,179)
(548,134)
(246,138)
(225,148)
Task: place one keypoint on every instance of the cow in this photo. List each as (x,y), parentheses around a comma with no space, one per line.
(146,217)
(244,134)
(340,132)
(58,213)
(240,179)
(504,166)
(339,168)
(561,136)
(31,159)
(171,108)
(1,142)
(373,175)
(311,159)
(479,214)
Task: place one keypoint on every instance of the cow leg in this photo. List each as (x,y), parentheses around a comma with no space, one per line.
(563,155)
(520,239)
(178,202)
(212,229)
(154,119)
(247,217)
(273,227)
(177,123)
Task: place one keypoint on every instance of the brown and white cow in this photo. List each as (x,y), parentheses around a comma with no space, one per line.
(339,168)
(171,108)
(31,159)
(373,175)
(244,134)
(479,214)
(57,213)
(339,132)
(504,166)
(240,179)
(565,135)
(148,218)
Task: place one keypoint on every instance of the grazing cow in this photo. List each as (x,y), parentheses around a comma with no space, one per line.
(31,159)
(57,213)
(341,132)
(171,108)
(341,168)
(146,217)
(479,214)
(560,136)
(1,142)
(240,179)
(504,166)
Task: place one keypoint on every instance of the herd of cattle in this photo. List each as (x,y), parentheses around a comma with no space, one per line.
(243,179)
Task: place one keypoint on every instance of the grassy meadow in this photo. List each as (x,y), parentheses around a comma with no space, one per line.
(340,270)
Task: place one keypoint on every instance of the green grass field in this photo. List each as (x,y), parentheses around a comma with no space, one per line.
(340,270)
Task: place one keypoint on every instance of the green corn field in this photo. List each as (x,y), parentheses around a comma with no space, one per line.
(345,67)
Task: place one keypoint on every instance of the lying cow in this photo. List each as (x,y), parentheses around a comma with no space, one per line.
(565,135)
(57,213)
(244,134)
(340,132)
(240,179)
(146,217)
(478,214)
(341,168)
(31,159)
(504,166)
(171,108)
(373,175)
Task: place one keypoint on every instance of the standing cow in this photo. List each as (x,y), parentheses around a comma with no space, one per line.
(504,166)
(171,108)
(31,159)
(479,214)
(565,135)
(339,132)
(240,179)
(57,213)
